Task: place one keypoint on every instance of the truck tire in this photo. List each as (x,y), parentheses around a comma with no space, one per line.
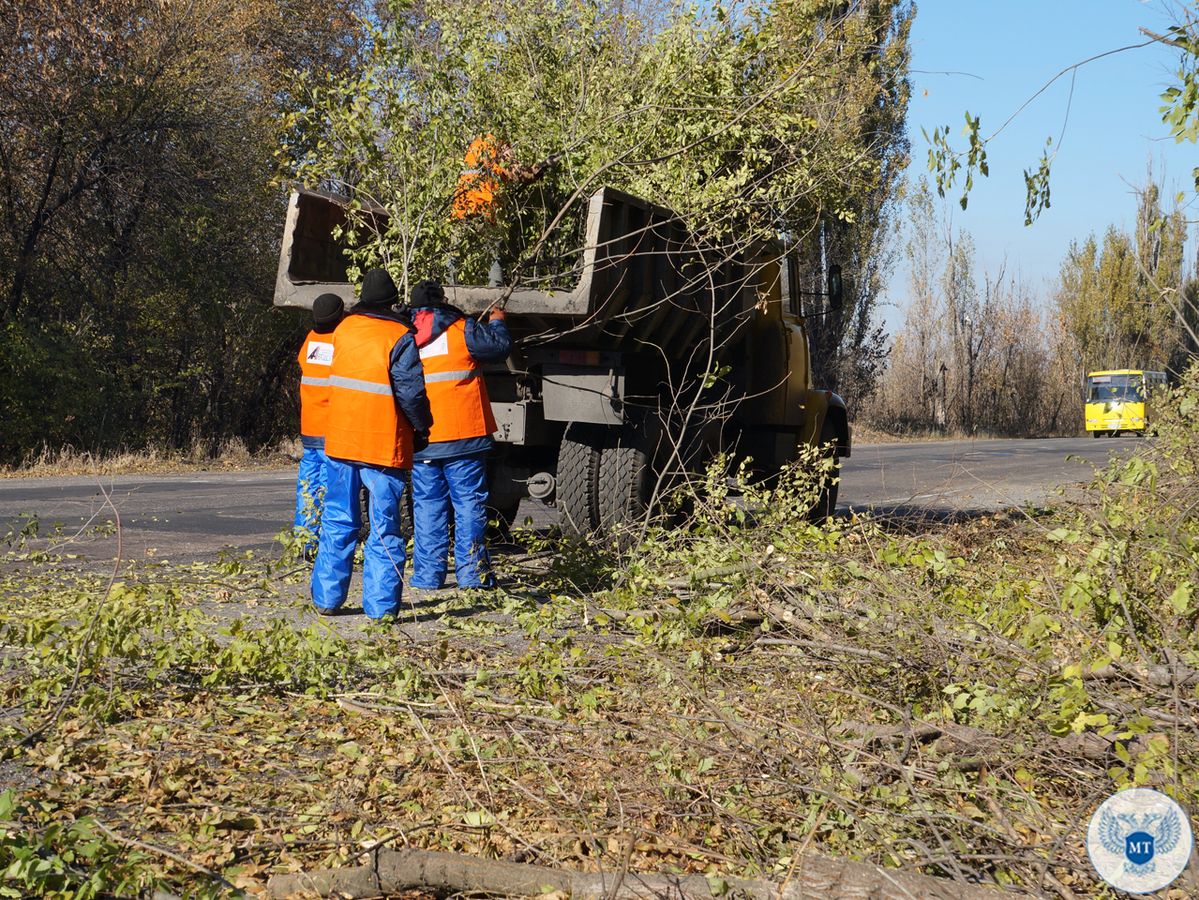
(405,511)
(625,479)
(578,475)
(364,506)
(407,519)
(826,502)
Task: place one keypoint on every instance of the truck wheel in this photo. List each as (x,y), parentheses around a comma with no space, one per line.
(407,520)
(578,474)
(364,506)
(405,511)
(625,479)
(826,503)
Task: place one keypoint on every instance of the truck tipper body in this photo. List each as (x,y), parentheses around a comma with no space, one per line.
(656,356)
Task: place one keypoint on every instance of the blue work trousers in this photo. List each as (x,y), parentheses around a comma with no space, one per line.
(383,565)
(310,495)
(436,484)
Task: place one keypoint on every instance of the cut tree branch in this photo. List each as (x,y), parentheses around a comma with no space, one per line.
(814,876)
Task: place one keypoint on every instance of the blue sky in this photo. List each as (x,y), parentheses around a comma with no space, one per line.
(1004,51)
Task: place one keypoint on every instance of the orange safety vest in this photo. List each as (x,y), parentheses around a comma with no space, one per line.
(315,356)
(480,181)
(457,392)
(364,423)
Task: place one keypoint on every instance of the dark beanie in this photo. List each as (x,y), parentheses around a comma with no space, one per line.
(428,293)
(326,312)
(378,289)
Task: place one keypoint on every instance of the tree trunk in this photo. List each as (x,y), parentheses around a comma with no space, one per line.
(814,876)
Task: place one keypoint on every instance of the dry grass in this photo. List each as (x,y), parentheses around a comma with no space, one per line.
(722,699)
(713,708)
(864,433)
(231,456)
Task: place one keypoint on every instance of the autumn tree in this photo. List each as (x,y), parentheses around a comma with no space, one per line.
(776,118)
(1121,299)
(137,220)
(850,347)
(977,352)
(1186,314)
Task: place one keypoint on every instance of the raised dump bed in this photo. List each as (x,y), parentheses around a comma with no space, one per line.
(638,283)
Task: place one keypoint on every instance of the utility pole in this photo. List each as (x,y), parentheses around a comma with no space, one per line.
(941,414)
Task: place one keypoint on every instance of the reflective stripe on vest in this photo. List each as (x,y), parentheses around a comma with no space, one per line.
(316,353)
(457,393)
(460,375)
(364,424)
(357,384)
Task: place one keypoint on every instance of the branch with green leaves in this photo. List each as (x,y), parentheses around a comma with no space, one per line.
(1180,111)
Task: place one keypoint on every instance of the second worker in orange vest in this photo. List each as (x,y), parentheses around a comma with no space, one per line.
(452,470)
(377,406)
(316,353)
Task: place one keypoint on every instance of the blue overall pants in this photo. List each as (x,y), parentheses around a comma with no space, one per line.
(436,484)
(310,492)
(383,566)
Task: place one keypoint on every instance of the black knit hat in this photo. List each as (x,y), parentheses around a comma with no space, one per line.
(326,312)
(378,289)
(428,293)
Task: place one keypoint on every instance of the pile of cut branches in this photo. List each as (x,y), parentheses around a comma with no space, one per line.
(734,700)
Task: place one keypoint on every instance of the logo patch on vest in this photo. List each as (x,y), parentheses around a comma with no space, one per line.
(439,346)
(319,353)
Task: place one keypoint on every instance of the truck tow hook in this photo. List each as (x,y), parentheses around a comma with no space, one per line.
(541,486)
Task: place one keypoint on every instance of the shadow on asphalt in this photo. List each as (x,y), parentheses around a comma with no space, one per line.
(424,607)
(904,518)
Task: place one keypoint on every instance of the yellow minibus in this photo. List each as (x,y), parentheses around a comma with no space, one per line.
(1120,400)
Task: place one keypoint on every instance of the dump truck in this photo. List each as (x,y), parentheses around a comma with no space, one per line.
(651,357)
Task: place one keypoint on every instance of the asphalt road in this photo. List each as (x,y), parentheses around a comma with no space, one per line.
(181,517)
(962,477)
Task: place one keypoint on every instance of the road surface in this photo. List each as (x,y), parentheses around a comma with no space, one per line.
(181,517)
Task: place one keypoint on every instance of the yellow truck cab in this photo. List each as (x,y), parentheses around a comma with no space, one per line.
(1120,400)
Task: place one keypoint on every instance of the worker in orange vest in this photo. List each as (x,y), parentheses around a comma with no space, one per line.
(452,469)
(487,168)
(378,412)
(483,173)
(316,353)
(488,171)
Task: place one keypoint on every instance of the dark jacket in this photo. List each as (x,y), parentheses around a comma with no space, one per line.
(486,342)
